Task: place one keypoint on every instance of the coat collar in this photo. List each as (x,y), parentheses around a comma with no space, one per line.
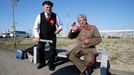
(87,27)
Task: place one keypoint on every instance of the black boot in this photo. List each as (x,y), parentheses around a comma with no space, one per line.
(41,65)
(52,67)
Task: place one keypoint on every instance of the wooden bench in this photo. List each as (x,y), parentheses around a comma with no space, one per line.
(101,59)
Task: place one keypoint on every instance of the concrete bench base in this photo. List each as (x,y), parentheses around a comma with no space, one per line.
(102,58)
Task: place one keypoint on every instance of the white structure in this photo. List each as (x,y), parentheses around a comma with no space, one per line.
(126,33)
(20,34)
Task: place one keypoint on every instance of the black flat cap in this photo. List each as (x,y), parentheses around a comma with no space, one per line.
(47,3)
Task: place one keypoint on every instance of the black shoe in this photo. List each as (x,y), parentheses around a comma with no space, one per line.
(41,65)
(51,68)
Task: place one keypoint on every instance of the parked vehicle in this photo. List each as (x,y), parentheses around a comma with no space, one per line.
(20,34)
(0,35)
(6,35)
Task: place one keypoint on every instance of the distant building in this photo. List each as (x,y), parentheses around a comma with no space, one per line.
(128,33)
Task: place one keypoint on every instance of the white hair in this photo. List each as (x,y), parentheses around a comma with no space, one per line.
(81,16)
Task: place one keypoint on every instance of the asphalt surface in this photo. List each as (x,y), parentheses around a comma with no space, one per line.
(9,65)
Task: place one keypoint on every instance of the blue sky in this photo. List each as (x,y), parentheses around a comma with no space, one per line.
(105,14)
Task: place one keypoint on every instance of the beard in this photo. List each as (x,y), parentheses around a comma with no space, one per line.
(48,11)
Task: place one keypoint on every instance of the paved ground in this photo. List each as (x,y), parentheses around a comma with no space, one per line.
(9,65)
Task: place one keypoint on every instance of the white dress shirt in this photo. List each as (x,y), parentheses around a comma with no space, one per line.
(36,28)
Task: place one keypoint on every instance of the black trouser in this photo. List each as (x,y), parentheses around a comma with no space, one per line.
(52,52)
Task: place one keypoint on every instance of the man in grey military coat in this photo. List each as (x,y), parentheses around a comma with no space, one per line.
(87,37)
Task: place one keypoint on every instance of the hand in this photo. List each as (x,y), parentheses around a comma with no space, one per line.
(74,27)
(37,39)
(85,42)
(57,31)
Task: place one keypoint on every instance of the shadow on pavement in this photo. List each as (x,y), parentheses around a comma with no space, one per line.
(68,70)
(60,61)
